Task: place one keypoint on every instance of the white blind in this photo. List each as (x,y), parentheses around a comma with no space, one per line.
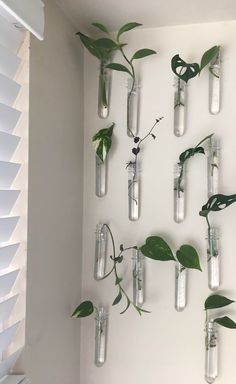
(29,13)
(10,41)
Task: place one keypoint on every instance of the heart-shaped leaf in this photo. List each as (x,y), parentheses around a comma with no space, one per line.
(184,70)
(127,27)
(85,309)
(208,56)
(117,299)
(102,141)
(119,67)
(101,27)
(217,301)
(157,249)
(217,203)
(190,152)
(188,257)
(225,322)
(143,53)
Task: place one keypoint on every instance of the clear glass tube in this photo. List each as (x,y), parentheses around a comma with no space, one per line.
(180,106)
(211,357)
(133,191)
(133,108)
(138,277)
(104,90)
(101,177)
(180,287)
(179,192)
(100,251)
(213,258)
(101,320)
(215,85)
(213,167)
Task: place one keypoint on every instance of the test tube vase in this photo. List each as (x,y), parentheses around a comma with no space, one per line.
(133,100)
(100,251)
(180,106)
(104,90)
(213,258)
(211,352)
(138,278)
(101,177)
(179,192)
(133,191)
(213,158)
(180,287)
(215,84)
(101,331)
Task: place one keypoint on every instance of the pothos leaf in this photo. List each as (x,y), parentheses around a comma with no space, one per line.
(217,203)
(188,257)
(117,299)
(190,152)
(127,27)
(143,53)
(101,27)
(225,322)
(119,67)
(217,301)
(102,141)
(183,70)
(86,308)
(208,56)
(157,249)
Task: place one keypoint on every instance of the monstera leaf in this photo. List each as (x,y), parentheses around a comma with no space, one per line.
(85,309)
(183,70)
(157,249)
(217,203)
(102,141)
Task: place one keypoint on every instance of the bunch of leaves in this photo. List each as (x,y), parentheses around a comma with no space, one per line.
(186,155)
(216,203)
(102,142)
(186,71)
(155,248)
(219,301)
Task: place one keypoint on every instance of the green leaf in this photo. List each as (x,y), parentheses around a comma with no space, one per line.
(101,27)
(105,43)
(85,309)
(89,44)
(157,249)
(190,152)
(208,56)
(183,70)
(127,307)
(226,322)
(119,67)
(102,141)
(118,280)
(217,203)
(217,301)
(188,257)
(143,53)
(127,27)
(117,299)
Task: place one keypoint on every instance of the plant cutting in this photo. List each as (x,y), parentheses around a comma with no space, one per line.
(211,340)
(155,248)
(102,142)
(133,173)
(215,203)
(104,53)
(184,72)
(179,178)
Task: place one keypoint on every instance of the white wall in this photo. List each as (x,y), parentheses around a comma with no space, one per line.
(55,202)
(164,346)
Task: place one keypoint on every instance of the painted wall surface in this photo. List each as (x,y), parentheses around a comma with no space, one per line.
(164,346)
(55,202)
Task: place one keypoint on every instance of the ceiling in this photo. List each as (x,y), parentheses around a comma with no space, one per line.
(151,13)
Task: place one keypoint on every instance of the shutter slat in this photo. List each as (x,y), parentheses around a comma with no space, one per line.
(10,36)
(13,379)
(8,172)
(8,145)
(6,307)
(9,62)
(7,201)
(9,362)
(7,281)
(7,226)
(6,255)
(9,90)
(7,335)
(8,118)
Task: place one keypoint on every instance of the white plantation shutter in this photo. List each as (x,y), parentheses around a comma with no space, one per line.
(11,39)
